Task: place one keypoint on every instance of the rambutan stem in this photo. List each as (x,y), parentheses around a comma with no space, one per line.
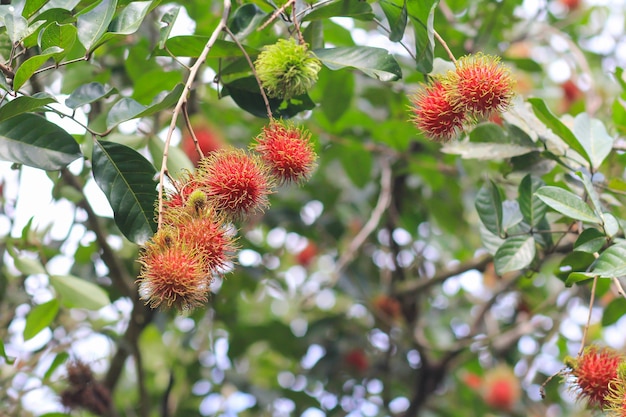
(445,46)
(275,14)
(191,132)
(268,108)
(586,329)
(183,100)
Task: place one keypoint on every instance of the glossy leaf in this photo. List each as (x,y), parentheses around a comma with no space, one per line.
(246,19)
(396,13)
(126,22)
(28,68)
(614,311)
(610,224)
(17,27)
(375,62)
(24,104)
(489,207)
(192,46)
(590,240)
(515,253)
(87,94)
(127,180)
(168,20)
(485,151)
(612,262)
(594,138)
(93,24)
(578,277)
(32,6)
(567,203)
(511,215)
(58,360)
(32,140)
(531,206)
(422,15)
(40,318)
(78,293)
(358,10)
(62,36)
(128,109)
(575,261)
(558,127)
(592,194)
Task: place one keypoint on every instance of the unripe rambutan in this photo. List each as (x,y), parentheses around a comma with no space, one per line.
(287,150)
(480,85)
(287,69)
(184,187)
(236,183)
(592,372)
(173,276)
(434,114)
(616,398)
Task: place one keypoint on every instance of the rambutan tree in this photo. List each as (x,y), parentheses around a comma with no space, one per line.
(310,208)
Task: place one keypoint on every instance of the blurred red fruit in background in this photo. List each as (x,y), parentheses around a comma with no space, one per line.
(357,360)
(305,256)
(209,139)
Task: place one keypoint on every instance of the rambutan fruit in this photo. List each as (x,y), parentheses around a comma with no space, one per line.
(434,114)
(236,183)
(501,388)
(287,150)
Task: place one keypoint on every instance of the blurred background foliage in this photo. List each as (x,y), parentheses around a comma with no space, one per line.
(369,291)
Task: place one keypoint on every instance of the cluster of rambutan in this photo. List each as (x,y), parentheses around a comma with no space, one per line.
(599,377)
(479,87)
(196,241)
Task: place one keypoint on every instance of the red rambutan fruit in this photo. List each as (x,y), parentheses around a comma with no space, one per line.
(480,85)
(287,150)
(434,114)
(501,389)
(175,275)
(236,183)
(592,373)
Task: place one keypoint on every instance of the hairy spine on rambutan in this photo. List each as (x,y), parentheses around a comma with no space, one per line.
(287,150)
(615,400)
(592,372)
(174,275)
(480,86)
(236,183)
(434,114)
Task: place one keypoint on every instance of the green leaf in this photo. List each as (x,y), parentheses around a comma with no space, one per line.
(24,104)
(422,15)
(396,13)
(192,46)
(87,94)
(612,262)
(575,261)
(357,162)
(489,207)
(3,354)
(551,121)
(28,68)
(590,240)
(17,27)
(62,36)
(614,311)
(592,135)
(337,94)
(567,203)
(485,151)
(126,22)
(577,277)
(375,62)
(93,24)
(128,109)
(40,317)
(515,253)
(358,10)
(592,194)
(246,19)
(78,293)
(168,20)
(32,140)
(511,215)
(127,180)
(532,208)
(58,360)
(611,224)
(32,6)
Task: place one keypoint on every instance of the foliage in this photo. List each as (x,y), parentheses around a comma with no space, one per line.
(395,282)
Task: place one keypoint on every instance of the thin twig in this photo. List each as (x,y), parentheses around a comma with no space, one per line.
(191,132)
(268,108)
(276,13)
(296,25)
(445,46)
(586,329)
(381,206)
(620,289)
(184,97)
(61,64)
